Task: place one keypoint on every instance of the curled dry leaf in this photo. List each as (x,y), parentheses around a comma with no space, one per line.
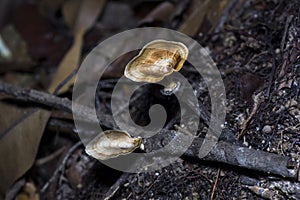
(156,60)
(81,15)
(112,143)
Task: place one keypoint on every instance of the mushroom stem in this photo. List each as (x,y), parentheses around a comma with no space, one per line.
(171,86)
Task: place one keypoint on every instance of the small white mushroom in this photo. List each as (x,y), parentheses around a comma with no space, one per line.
(112,143)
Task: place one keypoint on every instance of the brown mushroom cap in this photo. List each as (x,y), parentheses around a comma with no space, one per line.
(112,143)
(156,60)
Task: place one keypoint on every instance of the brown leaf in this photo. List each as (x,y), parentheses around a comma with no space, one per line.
(116,69)
(49,7)
(120,11)
(204,15)
(20,133)
(160,14)
(70,10)
(44,43)
(6,7)
(88,12)
(16,45)
(249,83)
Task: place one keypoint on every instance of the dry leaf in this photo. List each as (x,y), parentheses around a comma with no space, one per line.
(6,7)
(122,12)
(88,12)
(49,7)
(249,83)
(204,16)
(160,14)
(16,46)
(21,136)
(19,141)
(44,43)
(70,10)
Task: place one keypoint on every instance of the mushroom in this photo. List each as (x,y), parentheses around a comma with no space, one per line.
(157,60)
(112,143)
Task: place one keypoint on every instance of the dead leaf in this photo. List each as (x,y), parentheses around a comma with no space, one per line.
(49,7)
(70,10)
(6,7)
(122,12)
(249,83)
(16,46)
(20,79)
(44,43)
(159,15)
(19,144)
(142,8)
(88,12)
(20,137)
(116,69)
(19,141)
(204,16)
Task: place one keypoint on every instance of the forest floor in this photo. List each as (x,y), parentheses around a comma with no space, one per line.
(255,46)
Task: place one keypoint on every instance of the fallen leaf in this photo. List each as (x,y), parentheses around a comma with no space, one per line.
(116,69)
(20,79)
(16,45)
(204,16)
(142,9)
(49,7)
(249,83)
(6,7)
(19,141)
(122,12)
(86,15)
(20,137)
(159,15)
(44,43)
(70,10)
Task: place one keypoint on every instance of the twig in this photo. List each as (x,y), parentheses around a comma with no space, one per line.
(63,82)
(256,100)
(271,76)
(46,159)
(115,187)
(52,101)
(287,24)
(224,16)
(13,191)
(182,130)
(215,185)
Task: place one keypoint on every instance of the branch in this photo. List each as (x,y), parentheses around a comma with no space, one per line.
(249,158)
(52,101)
(222,152)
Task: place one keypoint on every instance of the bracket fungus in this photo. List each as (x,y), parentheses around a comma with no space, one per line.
(111,144)
(157,60)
